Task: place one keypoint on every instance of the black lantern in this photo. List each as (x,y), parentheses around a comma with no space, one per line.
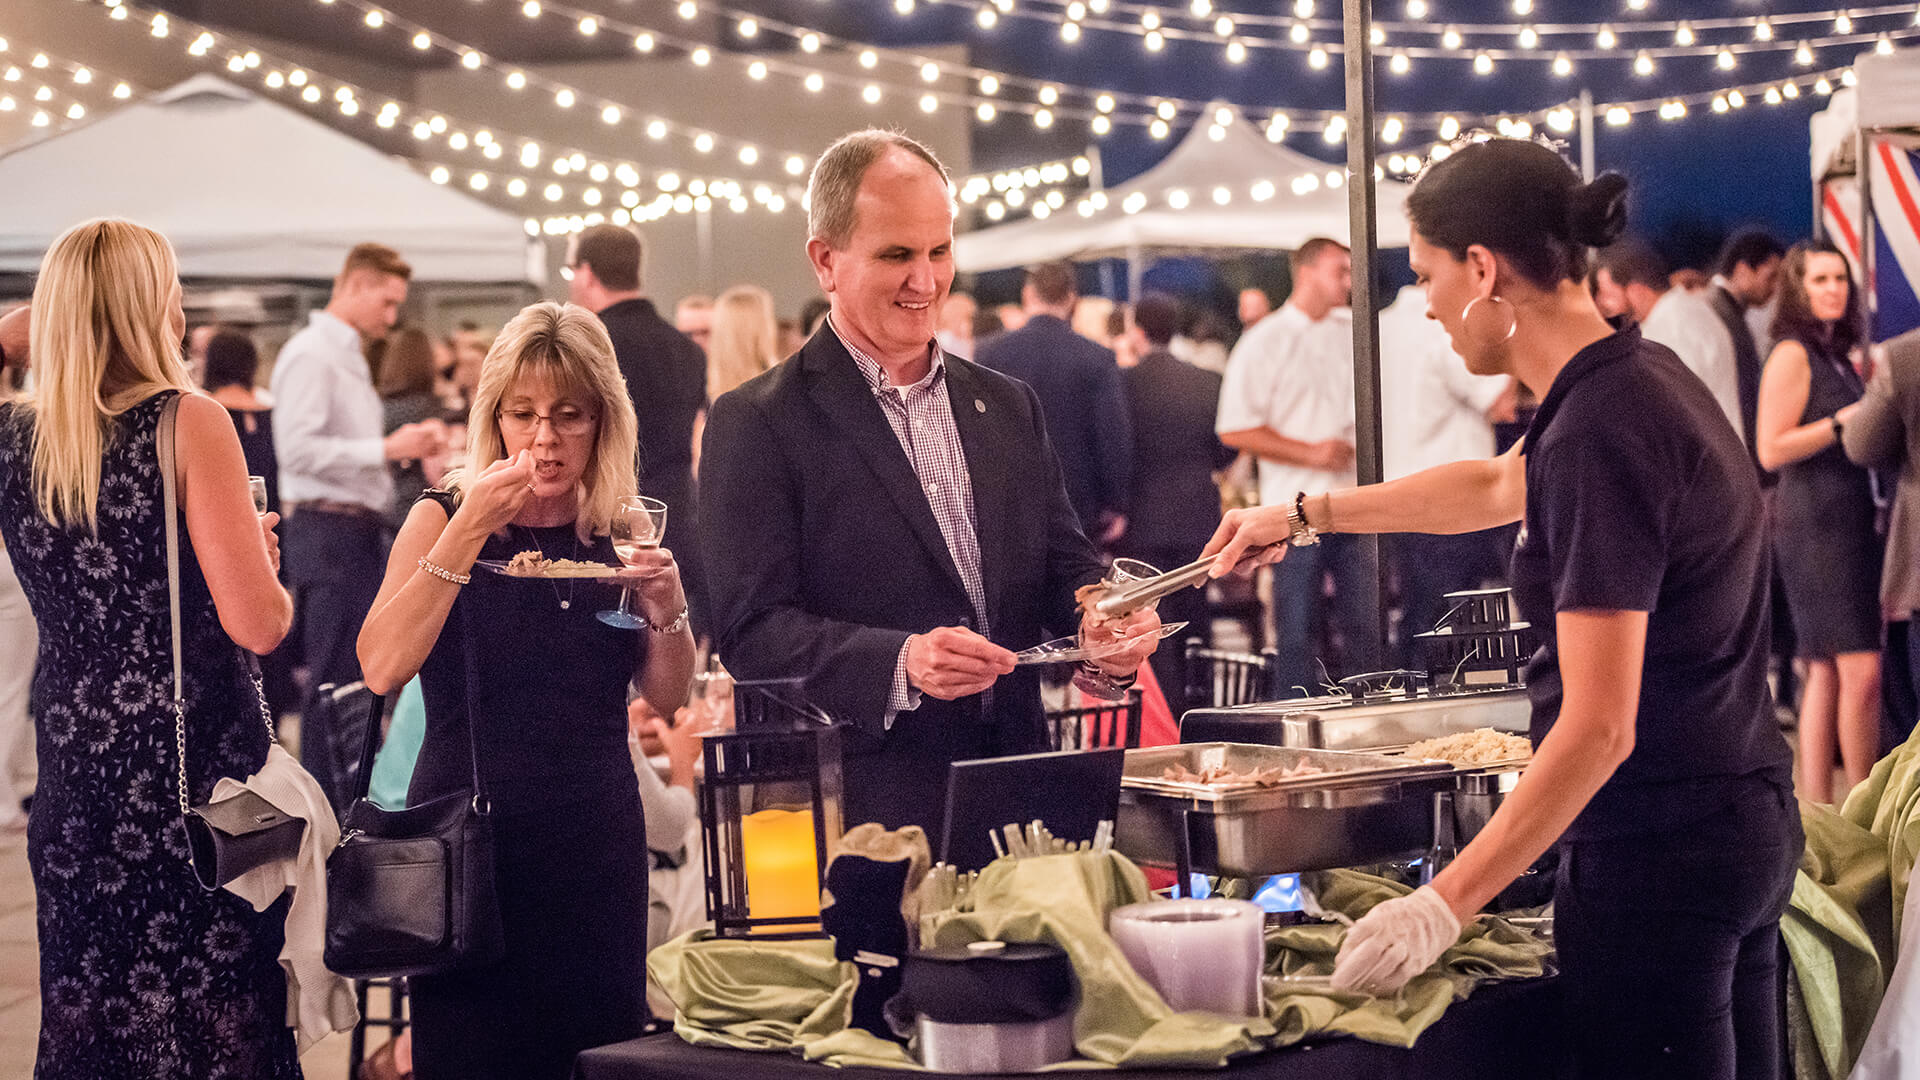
(770,812)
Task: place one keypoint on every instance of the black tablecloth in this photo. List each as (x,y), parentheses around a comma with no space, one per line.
(1508,1030)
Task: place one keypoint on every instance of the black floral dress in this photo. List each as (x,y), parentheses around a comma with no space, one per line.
(142,973)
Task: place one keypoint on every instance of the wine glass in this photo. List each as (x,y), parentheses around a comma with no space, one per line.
(713,700)
(638,524)
(1090,679)
(257,486)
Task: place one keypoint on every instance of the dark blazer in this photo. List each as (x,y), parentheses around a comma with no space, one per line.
(666,377)
(1078,383)
(824,555)
(1175,505)
(1746,358)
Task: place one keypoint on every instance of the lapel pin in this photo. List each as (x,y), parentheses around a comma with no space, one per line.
(979,406)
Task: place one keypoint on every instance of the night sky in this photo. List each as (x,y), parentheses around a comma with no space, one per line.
(1694,179)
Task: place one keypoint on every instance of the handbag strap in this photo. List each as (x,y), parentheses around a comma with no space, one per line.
(163,441)
(368,745)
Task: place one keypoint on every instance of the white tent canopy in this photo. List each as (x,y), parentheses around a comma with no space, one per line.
(247,188)
(1276,199)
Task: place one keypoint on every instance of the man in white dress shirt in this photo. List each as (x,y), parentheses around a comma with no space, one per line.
(328,433)
(1434,411)
(1629,278)
(1288,400)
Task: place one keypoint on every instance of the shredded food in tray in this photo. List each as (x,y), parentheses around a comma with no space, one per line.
(1482,746)
(534,564)
(1087,596)
(1223,776)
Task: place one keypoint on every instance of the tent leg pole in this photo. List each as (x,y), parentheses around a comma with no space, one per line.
(1134,270)
(1870,293)
(1586,135)
(1361,148)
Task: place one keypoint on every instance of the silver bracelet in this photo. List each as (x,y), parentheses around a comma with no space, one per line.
(678,624)
(443,573)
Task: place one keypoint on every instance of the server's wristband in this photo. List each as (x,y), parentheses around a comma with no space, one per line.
(1300,534)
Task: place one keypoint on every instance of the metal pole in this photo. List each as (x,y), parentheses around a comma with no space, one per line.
(1136,266)
(703,241)
(1863,155)
(1361,147)
(1586,134)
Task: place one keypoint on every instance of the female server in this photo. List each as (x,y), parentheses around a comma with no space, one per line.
(1642,561)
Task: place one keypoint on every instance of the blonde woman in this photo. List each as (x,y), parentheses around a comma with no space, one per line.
(745,339)
(523,669)
(142,972)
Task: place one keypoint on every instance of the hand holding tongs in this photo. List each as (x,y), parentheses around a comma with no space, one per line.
(1134,595)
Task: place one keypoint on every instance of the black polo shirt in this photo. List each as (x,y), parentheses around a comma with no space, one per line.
(1640,497)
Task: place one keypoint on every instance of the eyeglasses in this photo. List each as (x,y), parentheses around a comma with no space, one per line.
(567,422)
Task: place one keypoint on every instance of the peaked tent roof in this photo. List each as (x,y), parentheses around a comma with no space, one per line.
(1299,205)
(273,195)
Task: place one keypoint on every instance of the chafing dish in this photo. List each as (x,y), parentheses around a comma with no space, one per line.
(1362,808)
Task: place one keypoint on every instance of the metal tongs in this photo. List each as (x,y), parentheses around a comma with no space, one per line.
(1134,595)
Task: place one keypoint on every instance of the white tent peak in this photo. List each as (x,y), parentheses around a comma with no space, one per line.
(254,189)
(1235,158)
(203,85)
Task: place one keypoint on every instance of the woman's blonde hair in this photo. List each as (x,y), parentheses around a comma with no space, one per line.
(745,339)
(568,345)
(102,341)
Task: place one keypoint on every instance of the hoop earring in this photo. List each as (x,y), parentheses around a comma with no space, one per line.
(1513,324)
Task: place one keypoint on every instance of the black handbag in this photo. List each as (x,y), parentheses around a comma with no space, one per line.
(231,836)
(411,892)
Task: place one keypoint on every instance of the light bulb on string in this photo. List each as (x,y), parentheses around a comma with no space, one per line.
(1483,64)
(989,85)
(1166,110)
(810,42)
(929,103)
(1643,64)
(1299,33)
(1683,35)
(1049,95)
(1223,26)
(1150,20)
(757,71)
(470,60)
(1529,37)
(1803,55)
(1619,116)
(869,59)
(1449,128)
(929,72)
(1606,39)
(1417,9)
(1450,37)
(985,112)
(986,17)
(1399,64)
(1154,41)
(531,9)
(1762,30)
(701,56)
(1563,65)
(1843,24)
(516,80)
(1725,61)
(1069,32)
(815,82)
(1043,118)
(871,94)
(1790,90)
(375,18)
(1883,45)
(1377,36)
(423,41)
(1158,129)
(1100,125)
(748,28)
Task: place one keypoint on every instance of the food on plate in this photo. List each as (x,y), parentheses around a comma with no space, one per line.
(1220,775)
(1482,746)
(1087,596)
(535,564)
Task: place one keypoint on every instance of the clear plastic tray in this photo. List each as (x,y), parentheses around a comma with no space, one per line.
(1068,649)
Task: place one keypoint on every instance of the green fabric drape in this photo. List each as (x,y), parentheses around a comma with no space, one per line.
(1842,927)
(793,996)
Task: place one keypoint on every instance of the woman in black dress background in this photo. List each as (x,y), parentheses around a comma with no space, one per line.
(1824,536)
(541,685)
(142,972)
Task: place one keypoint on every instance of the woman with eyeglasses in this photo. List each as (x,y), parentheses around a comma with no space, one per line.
(1642,563)
(522,666)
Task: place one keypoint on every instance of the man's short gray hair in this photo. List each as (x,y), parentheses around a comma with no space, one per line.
(835,182)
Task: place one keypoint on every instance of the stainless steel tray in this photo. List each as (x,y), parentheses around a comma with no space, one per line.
(1342,724)
(1365,808)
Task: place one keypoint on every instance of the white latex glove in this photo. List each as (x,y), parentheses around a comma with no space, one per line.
(1397,940)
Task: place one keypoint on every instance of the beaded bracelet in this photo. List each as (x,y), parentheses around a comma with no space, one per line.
(674,627)
(443,573)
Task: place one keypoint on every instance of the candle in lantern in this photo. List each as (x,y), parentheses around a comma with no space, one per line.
(783,874)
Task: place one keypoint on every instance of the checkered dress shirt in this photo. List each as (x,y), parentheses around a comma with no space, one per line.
(921,416)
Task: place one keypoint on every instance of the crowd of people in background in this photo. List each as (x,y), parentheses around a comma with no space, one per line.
(1160,413)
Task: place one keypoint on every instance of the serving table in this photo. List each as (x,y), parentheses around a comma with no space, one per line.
(1504,1030)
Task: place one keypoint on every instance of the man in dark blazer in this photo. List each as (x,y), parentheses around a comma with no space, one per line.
(888,522)
(1749,273)
(1079,387)
(666,377)
(1175,504)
